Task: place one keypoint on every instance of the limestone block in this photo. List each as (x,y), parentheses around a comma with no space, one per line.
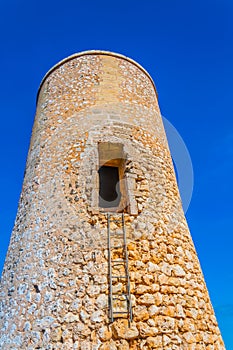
(153,310)
(102,301)
(108,346)
(178,271)
(146,299)
(165,324)
(163,279)
(70,317)
(152,267)
(147,331)
(141,313)
(180,311)
(56,334)
(105,333)
(97,316)
(155,342)
(121,329)
(141,289)
(188,336)
(168,310)
(166,340)
(80,330)
(124,345)
(158,299)
(148,279)
(85,345)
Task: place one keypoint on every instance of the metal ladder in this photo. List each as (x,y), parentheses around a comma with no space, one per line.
(119,301)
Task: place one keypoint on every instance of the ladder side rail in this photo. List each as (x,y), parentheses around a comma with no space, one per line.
(110,271)
(127,270)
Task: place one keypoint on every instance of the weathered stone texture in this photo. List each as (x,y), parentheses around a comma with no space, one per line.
(54,288)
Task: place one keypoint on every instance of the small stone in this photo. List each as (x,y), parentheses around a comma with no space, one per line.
(146,299)
(76,305)
(45,322)
(117,288)
(147,331)
(76,345)
(97,316)
(147,279)
(70,317)
(141,289)
(141,313)
(141,226)
(155,342)
(178,271)
(188,336)
(163,279)
(158,299)
(124,345)
(166,268)
(108,346)
(166,340)
(154,287)
(85,345)
(100,279)
(151,322)
(80,331)
(102,301)
(168,310)
(153,310)
(165,324)
(174,281)
(152,267)
(180,311)
(84,316)
(192,312)
(121,329)
(48,297)
(56,334)
(93,290)
(36,337)
(22,288)
(105,333)
(27,326)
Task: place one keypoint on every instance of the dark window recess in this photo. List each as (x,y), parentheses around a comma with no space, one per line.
(109,187)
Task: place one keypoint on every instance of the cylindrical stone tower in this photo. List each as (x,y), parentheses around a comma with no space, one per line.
(101,256)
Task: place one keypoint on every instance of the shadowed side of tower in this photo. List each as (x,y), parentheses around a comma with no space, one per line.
(101,256)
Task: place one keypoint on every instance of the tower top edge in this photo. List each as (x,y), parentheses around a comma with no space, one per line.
(94,52)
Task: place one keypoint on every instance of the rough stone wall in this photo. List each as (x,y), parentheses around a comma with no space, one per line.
(54,288)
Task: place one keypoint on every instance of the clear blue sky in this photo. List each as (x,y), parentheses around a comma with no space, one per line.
(187,47)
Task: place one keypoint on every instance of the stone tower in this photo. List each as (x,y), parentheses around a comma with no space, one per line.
(101,256)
